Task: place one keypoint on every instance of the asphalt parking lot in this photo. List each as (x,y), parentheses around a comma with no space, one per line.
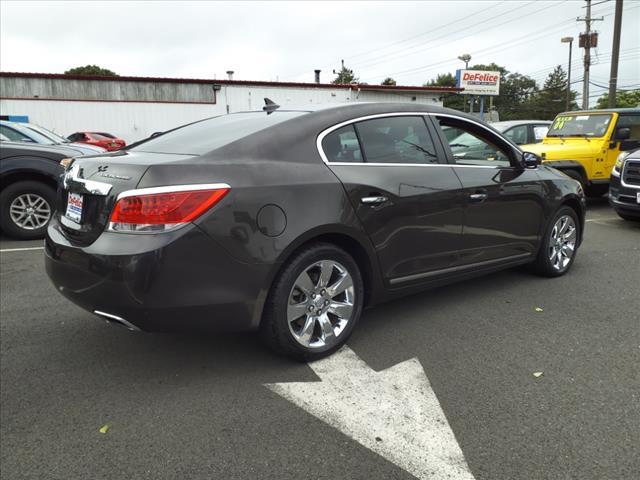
(187,406)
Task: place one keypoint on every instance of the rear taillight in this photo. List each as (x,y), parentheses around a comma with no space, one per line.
(161,209)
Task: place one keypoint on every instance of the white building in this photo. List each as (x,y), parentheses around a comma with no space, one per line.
(135,107)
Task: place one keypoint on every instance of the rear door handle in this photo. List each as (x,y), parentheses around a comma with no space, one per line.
(373,200)
(478,197)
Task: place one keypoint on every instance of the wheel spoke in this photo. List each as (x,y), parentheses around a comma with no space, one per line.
(296,311)
(326,327)
(326,270)
(563,225)
(304,283)
(341,309)
(341,285)
(306,333)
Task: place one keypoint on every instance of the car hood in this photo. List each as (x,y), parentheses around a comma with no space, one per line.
(565,149)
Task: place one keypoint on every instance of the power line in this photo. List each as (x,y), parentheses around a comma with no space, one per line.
(497,47)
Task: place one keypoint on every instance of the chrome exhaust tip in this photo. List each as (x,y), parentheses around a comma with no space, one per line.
(115,320)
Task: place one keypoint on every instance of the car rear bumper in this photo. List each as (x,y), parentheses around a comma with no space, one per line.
(181,280)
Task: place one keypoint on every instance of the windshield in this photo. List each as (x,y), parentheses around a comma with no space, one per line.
(47,133)
(24,131)
(579,126)
(207,135)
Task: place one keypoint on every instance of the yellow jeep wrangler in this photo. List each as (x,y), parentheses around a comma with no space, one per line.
(585,145)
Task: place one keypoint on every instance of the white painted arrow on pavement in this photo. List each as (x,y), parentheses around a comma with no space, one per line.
(393,412)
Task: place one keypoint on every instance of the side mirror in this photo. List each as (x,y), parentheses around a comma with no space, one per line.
(623,133)
(530,160)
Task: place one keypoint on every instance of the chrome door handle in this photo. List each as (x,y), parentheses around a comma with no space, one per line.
(478,197)
(373,200)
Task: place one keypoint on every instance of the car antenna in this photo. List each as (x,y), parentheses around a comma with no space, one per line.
(270,106)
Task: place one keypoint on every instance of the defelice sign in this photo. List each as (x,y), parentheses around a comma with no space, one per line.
(478,82)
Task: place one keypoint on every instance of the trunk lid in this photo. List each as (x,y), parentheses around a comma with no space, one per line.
(92,185)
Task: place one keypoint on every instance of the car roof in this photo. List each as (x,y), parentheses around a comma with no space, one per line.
(514,123)
(605,110)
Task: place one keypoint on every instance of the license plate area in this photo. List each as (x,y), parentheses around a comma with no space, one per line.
(75,203)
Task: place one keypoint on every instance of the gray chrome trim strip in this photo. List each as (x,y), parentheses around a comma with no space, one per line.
(115,318)
(459,268)
(327,131)
(172,188)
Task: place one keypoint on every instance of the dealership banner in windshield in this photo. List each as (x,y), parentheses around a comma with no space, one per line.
(478,82)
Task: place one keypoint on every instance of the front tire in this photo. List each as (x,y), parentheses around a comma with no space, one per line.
(314,304)
(559,245)
(26,209)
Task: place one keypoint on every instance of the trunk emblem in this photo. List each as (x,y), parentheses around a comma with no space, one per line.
(113,175)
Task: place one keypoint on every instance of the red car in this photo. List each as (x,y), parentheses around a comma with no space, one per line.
(101,139)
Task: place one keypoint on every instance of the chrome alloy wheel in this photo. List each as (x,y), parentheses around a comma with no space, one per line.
(562,243)
(30,211)
(320,304)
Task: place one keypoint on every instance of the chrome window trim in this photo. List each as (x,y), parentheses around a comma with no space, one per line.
(327,131)
(172,188)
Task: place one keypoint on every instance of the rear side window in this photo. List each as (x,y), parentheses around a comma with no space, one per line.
(342,145)
(206,135)
(396,140)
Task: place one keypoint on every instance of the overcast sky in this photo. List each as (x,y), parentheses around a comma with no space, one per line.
(409,41)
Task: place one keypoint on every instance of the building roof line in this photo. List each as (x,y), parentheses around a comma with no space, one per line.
(255,83)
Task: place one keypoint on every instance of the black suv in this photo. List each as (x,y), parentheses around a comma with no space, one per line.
(290,222)
(624,187)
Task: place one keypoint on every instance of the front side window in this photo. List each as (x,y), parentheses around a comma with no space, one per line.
(632,122)
(396,140)
(580,126)
(475,146)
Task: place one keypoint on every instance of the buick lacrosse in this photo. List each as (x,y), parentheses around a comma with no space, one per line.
(290,222)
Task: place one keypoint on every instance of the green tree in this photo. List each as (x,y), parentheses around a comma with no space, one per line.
(345,76)
(388,81)
(551,99)
(624,99)
(450,100)
(91,70)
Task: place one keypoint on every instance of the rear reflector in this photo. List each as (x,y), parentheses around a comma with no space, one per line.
(162,209)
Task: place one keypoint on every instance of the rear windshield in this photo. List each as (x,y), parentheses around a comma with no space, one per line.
(207,135)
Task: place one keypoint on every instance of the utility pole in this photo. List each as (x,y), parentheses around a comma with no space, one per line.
(615,53)
(587,40)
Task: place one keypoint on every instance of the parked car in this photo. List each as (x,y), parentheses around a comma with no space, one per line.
(585,144)
(277,222)
(28,181)
(624,188)
(100,139)
(30,133)
(520,132)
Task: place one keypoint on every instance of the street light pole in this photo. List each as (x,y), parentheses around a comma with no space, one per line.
(568,40)
(465,58)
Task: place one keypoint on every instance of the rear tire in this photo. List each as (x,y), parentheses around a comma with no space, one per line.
(26,208)
(559,244)
(314,303)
